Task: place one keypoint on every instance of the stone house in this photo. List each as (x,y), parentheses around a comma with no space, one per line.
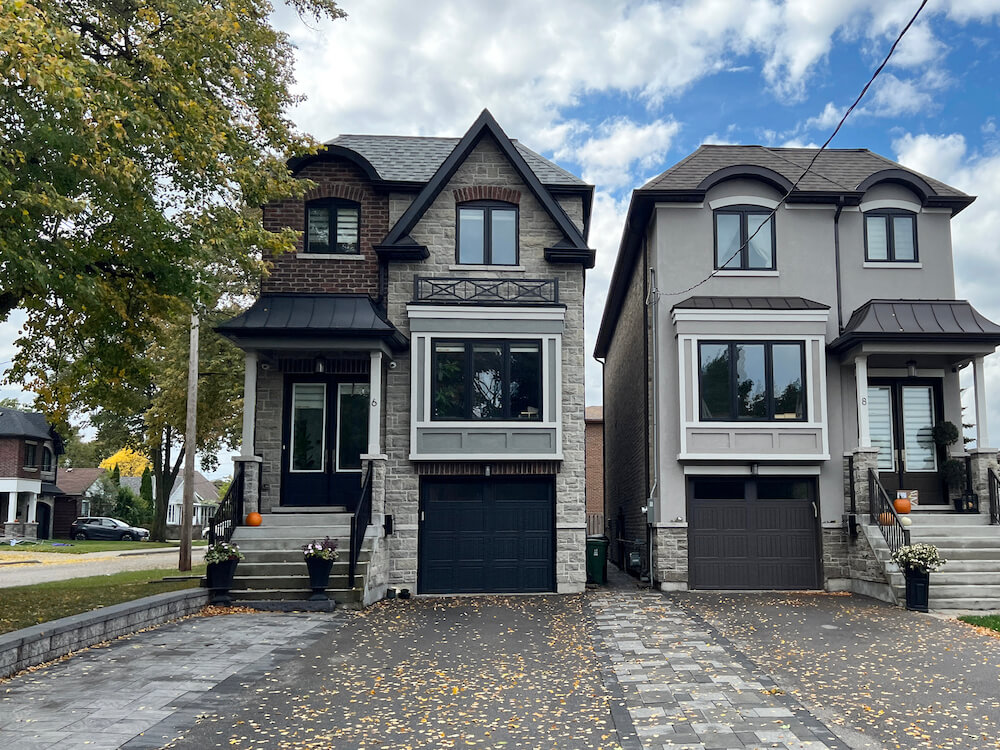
(29,455)
(798,341)
(414,373)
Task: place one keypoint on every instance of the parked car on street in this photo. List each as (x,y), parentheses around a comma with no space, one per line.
(102,527)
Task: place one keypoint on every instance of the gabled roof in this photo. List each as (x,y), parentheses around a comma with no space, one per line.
(749,303)
(916,320)
(76,481)
(312,315)
(399,245)
(16,423)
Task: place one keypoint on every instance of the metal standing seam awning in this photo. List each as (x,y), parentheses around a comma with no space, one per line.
(289,320)
(916,322)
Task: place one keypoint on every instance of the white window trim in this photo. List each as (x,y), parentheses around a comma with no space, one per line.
(481,267)
(475,312)
(902,205)
(743,200)
(291,433)
(901,264)
(340,411)
(747,272)
(331,256)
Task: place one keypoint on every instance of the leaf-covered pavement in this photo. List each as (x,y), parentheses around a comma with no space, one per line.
(487,672)
(904,679)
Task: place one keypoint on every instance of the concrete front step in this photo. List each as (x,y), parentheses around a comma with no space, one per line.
(302,520)
(296,509)
(294,554)
(950,518)
(955,532)
(962,605)
(955,542)
(290,567)
(288,544)
(258,583)
(948,577)
(341,596)
(307,533)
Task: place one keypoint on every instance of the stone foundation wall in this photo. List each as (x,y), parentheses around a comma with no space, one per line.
(670,557)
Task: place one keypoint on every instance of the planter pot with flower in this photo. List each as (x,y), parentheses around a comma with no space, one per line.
(221,559)
(918,561)
(319,560)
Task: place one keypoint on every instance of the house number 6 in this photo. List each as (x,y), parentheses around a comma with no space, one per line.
(374,402)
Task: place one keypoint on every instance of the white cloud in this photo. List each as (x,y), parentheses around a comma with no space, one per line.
(827,119)
(975,231)
(894,96)
(608,159)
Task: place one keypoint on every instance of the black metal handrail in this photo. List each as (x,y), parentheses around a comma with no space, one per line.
(229,514)
(359,524)
(994,483)
(884,515)
(453,290)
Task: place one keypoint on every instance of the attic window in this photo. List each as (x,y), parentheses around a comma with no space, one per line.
(487,233)
(332,227)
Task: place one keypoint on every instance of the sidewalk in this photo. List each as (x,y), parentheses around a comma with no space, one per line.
(684,686)
(56,566)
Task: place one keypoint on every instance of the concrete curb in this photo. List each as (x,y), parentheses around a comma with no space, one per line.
(38,644)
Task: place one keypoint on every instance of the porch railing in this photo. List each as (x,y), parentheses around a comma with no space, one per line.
(994,483)
(229,514)
(359,524)
(486,291)
(884,516)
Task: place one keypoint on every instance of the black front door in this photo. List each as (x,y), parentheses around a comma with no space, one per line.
(901,419)
(43,514)
(325,431)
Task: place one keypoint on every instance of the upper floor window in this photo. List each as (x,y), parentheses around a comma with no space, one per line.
(487,380)
(744,238)
(30,456)
(487,233)
(750,380)
(891,235)
(332,226)
(46,459)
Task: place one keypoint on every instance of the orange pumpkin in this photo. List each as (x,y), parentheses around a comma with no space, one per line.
(885,519)
(254,519)
(902,505)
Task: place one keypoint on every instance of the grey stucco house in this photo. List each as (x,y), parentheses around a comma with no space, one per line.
(779,345)
(414,373)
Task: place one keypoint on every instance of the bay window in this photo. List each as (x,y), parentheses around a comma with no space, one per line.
(486,380)
(752,381)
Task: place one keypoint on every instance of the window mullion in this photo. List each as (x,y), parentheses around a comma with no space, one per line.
(769,382)
(467,376)
(734,402)
(487,236)
(744,240)
(505,386)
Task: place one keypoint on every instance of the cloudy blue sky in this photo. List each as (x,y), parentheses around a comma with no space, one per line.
(617,92)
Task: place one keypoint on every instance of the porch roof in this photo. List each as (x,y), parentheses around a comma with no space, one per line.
(749,303)
(311,316)
(917,321)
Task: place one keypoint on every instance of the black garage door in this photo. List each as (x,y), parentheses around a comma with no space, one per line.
(486,536)
(752,533)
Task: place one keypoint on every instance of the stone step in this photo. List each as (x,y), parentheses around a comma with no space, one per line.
(297,509)
(265,555)
(971,591)
(967,605)
(307,533)
(341,596)
(303,520)
(278,543)
(257,583)
(946,576)
(292,567)
(953,542)
(950,519)
(955,532)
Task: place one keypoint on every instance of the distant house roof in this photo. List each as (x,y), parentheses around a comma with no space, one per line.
(594,414)
(313,315)
(16,423)
(203,488)
(749,303)
(917,320)
(397,158)
(76,481)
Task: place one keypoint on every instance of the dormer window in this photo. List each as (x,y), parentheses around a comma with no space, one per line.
(891,236)
(332,227)
(744,238)
(487,233)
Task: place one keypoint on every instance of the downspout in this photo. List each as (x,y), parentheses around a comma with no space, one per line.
(651,300)
(836,255)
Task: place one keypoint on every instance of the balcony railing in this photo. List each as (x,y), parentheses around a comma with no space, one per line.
(465,291)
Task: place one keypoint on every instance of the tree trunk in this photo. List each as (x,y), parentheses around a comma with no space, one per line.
(164,476)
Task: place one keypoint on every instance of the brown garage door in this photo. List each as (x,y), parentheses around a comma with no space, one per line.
(752,533)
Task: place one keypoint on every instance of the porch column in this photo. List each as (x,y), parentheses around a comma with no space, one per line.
(375,404)
(861,378)
(249,402)
(979,379)
(32,507)
(11,507)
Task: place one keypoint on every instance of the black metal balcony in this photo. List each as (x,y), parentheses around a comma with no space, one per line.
(466,291)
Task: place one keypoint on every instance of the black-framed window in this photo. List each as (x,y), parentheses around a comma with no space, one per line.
(333,226)
(487,233)
(891,236)
(30,456)
(752,381)
(46,459)
(486,380)
(744,238)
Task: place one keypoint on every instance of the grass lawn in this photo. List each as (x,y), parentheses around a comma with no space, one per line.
(984,621)
(24,606)
(80,546)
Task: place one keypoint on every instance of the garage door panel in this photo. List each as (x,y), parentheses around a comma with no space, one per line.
(501,536)
(752,543)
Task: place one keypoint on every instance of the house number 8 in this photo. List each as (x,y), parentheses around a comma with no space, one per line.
(374,402)
(864,401)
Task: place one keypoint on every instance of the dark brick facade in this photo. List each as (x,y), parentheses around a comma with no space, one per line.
(626,406)
(594,440)
(12,459)
(291,272)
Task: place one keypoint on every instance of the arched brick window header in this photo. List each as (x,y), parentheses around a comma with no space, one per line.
(487,193)
(336,190)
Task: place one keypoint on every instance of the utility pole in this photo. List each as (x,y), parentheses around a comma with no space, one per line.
(190,447)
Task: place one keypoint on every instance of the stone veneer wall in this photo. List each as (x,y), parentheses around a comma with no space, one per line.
(670,558)
(487,166)
(267,439)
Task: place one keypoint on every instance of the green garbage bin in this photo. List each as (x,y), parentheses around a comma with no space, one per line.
(597,559)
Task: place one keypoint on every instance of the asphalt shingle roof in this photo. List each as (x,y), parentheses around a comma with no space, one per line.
(401,158)
(75,481)
(15,423)
(834,170)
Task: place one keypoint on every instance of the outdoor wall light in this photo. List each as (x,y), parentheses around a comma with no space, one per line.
(320,364)
(911,368)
